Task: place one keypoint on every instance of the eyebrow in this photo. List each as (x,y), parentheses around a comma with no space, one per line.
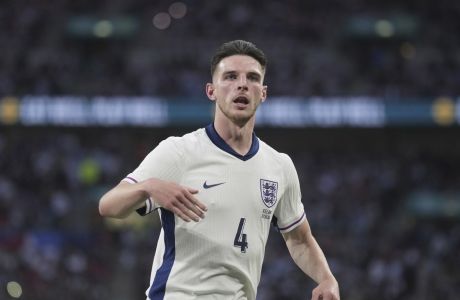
(258,75)
(229,72)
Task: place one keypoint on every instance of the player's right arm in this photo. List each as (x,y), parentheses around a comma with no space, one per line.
(126,197)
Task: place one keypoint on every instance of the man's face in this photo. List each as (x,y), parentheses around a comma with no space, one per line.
(237,87)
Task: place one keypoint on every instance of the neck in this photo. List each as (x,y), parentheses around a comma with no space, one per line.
(239,137)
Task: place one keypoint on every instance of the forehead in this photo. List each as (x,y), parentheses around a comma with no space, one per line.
(239,63)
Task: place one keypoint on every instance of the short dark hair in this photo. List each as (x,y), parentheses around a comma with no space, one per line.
(238,47)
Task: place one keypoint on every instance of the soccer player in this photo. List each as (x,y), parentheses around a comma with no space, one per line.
(217,191)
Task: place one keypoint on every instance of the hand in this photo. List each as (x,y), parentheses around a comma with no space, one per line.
(176,198)
(326,290)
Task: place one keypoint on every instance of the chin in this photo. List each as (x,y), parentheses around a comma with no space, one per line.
(241,119)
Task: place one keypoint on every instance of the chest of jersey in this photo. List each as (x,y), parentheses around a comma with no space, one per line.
(241,197)
(229,186)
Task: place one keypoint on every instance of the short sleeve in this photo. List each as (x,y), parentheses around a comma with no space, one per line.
(289,212)
(164,162)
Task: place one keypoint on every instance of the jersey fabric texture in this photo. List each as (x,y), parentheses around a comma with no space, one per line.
(219,257)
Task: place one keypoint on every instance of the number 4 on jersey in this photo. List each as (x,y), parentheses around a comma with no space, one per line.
(240,237)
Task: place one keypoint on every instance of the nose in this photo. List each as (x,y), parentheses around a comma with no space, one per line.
(243,83)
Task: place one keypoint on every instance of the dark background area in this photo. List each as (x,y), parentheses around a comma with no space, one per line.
(357,185)
(384,203)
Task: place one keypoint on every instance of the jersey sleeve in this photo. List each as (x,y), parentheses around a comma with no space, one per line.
(289,212)
(163,162)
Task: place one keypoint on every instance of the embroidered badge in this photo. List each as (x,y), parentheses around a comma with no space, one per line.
(268,191)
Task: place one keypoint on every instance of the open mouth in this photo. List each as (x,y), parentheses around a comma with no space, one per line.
(241,100)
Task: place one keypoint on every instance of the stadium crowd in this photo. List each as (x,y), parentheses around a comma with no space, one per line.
(56,246)
(313,47)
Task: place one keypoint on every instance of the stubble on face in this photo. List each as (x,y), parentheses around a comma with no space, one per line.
(238,88)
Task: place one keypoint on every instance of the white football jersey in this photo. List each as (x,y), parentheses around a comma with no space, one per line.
(219,257)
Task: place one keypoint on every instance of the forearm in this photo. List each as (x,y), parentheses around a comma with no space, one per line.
(307,254)
(120,201)
(310,259)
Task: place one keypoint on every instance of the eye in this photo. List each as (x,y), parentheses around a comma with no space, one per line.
(230,76)
(254,77)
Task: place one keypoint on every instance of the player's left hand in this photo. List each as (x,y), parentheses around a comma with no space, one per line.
(326,290)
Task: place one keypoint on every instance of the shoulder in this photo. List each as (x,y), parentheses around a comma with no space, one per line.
(189,139)
(175,149)
(282,158)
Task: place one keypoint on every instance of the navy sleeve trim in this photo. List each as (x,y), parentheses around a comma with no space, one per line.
(292,224)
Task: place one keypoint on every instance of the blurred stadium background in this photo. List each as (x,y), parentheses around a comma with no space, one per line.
(365,97)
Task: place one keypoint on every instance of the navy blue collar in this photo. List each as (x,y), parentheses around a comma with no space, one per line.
(219,142)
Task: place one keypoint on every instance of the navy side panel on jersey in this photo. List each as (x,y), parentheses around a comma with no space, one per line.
(158,288)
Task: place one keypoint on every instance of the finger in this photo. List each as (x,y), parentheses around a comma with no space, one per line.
(191,204)
(180,214)
(185,210)
(326,296)
(196,202)
(315,295)
(193,191)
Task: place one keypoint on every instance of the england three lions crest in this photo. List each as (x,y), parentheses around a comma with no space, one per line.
(268,191)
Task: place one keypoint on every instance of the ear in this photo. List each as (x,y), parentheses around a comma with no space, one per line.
(210,91)
(264,93)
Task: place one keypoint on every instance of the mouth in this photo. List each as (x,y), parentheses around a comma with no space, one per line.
(241,100)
